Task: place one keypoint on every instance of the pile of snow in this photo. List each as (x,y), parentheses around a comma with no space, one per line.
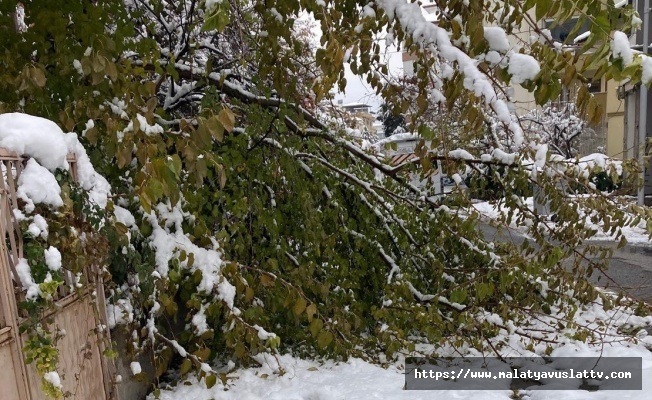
(497,38)
(54,379)
(522,67)
(37,185)
(598,160)
(47,148)
(621,48)
(306,379)
(34,137)
(120,313)
(30,287)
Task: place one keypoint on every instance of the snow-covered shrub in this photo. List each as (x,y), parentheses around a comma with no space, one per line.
(65,224)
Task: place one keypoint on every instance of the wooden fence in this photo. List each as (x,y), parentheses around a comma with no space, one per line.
(85,373)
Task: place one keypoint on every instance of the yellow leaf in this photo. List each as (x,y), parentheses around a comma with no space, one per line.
(111,71)
(99,63)
(38,77)
(249,293)
(266,280)
(227,119)
(203,354)
(299,306)
(324,339)
(311,310)
(222,177)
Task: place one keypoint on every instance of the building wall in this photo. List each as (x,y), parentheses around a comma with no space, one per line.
(609,134)
(615,114)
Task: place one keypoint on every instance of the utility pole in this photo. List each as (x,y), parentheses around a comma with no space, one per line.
(642,124)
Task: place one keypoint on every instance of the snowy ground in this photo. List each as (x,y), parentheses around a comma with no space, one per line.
(634,235)
(359,380)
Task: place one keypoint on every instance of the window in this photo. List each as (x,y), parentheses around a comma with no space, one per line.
(595,86)
(560,32)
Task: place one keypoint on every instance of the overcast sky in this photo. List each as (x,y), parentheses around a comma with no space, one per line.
(357,89)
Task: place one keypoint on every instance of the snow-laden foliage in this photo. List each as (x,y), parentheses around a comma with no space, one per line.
(559,126)
(251,223)
(65,230)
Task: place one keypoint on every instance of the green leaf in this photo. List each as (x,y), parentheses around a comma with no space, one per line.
(316,326)
(218,20)
(324,339)
(186,366)
(211,380)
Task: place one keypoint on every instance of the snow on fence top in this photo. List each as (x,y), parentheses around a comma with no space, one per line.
(47,145)
(31,150)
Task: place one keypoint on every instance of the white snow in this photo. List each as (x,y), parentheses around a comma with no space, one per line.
(212,4)
(124,216)
(460,154)
(263,334)
(49,147)
(168,245)
(356,379)
(620,48)
(53,258)
(147,128)
(120,313)
(436,39)
(602,161)
(35,137)
(582,37)
(53,378)
(135,368)
(634,235)
(199,321)
(226,293)
(497,38)
(503,157)
(97,186)
(178,348)
(30,287)
(78,67)
(37,185)
(522,67)
(646,74)
(38,227)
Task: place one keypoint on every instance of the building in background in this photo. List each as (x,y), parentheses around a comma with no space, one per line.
(431,13)
(360,118)
(607,136)
(399,150)
(638,107)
